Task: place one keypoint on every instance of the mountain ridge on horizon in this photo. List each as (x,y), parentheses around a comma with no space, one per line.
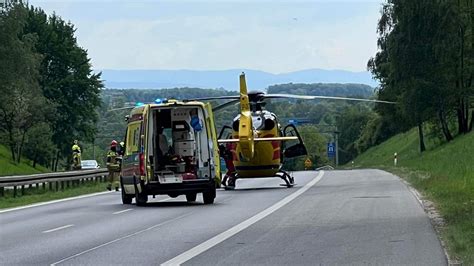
(226,79)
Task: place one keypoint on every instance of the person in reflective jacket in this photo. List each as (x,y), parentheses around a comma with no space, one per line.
(113,165)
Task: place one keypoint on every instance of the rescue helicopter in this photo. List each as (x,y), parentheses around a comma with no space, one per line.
(255,147)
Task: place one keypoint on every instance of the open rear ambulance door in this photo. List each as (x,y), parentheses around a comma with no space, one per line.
(211,131)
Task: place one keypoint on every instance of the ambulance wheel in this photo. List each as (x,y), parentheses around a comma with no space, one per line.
(209,196)
(140,198)
(191,197)
(126,199)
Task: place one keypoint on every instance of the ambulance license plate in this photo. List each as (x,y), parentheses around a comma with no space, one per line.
(170,179)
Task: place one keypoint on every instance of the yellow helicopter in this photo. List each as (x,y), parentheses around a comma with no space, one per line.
(256,148)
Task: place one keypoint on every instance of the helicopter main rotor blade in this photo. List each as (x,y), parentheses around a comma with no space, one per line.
(224,105)
(314,97)
(259,139)
(228,97)
(122,108)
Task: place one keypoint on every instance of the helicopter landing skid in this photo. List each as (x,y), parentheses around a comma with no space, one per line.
(289,180)
(229,180)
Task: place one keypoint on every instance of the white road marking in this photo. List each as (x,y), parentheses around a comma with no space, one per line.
(119,212)
(58,228)
(178,260)
(121,238)
(54,201)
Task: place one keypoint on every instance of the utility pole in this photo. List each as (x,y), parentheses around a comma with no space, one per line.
(336,138)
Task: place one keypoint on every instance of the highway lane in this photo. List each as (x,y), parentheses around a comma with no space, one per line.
(360,216)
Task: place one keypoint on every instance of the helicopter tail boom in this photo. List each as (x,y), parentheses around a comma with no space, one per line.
(246,137)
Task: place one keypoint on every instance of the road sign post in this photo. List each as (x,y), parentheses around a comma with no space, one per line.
(331,149)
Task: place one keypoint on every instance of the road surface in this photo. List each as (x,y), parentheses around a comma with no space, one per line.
(333,217)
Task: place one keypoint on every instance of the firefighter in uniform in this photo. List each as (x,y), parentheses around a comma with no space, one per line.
(76,155)
(113,165)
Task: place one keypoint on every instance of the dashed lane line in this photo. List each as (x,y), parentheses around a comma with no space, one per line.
(58,228)
(122,211)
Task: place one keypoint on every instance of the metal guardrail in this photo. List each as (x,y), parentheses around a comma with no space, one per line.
(22,180)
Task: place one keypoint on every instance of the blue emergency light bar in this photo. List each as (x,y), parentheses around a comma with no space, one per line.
(161,100)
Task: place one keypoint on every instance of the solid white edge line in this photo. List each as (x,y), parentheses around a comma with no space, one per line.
(122,211)
(57,228)
(120,238)
(54,201)
(183,257)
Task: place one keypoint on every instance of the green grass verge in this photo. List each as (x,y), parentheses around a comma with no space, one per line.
(444,174)
(7,167)
(36,195)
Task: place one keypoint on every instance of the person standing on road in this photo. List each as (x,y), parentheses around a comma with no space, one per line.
(76,156)
(113,165)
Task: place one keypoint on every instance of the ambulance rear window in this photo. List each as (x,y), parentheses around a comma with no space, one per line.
(133,138)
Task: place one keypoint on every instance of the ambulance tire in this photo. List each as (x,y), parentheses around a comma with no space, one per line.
(140,198)
(126,199)
(209,196)
(191,197)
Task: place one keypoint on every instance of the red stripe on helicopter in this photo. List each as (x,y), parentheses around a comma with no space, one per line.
(276,147)
(276,154)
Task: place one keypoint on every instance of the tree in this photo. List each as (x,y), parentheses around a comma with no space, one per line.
(21,102)
(351,124)
(67,80)
(39,147)
(421,59)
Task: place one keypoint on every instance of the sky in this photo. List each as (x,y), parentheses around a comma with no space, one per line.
(273,36)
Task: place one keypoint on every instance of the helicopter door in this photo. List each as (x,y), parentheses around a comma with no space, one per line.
(295,150)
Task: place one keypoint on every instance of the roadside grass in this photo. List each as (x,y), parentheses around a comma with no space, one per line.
(40,194)
(7,167)
(444,174)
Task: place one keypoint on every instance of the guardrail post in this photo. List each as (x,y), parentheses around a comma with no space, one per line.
(2,191)
(50,184)
(22,190)
(57,185)
(62,185)
(14,191)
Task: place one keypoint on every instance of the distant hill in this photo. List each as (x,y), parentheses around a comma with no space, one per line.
(226,79)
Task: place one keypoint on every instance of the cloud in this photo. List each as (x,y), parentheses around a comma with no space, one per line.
(237,35)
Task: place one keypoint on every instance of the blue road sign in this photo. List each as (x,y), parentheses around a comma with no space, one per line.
(331,149)
(293,121)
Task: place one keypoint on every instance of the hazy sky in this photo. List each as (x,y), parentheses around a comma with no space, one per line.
(273,36)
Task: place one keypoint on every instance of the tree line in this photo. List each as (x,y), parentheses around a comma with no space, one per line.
(425,62)
(48,91)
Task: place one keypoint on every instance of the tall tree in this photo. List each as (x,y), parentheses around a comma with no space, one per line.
(422,61)
(22,104)
(67,79)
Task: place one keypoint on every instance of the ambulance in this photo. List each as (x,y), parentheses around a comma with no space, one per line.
(170,149)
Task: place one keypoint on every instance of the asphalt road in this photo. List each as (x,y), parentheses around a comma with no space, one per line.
(335,217)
